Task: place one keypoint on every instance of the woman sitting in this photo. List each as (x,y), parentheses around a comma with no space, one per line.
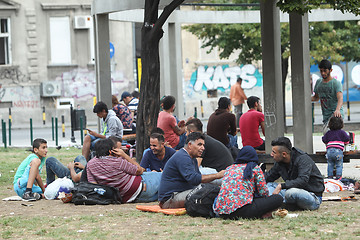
(243,192)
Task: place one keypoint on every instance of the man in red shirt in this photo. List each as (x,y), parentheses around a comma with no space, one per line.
(250,122)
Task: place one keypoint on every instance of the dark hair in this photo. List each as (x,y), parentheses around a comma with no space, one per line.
(103,147)
(37,142)
(158,130)
(114,100)
(99,107)
(194,124)
(239,80)
(326,64)
(158,136)
(252,100)
(283,142)
(135,94)
(336,123)
(194,136)
(223,103)
(115,139)
(168,102)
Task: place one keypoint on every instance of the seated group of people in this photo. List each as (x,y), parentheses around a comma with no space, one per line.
(167,175)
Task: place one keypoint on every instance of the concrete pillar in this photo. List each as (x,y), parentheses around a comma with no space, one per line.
(271,54)
(102,59)
(176,76)
(165,83)
(300,80)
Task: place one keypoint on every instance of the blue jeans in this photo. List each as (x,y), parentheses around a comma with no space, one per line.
(152,181)
(55,168)
(299,197)
(93,141)
(181,142)
(334,158)
(20,185)
(232,141)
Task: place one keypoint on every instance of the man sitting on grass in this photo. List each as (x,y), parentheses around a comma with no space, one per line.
(29,172)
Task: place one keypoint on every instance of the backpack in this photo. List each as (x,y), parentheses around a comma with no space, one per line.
(199,202)
(86,193)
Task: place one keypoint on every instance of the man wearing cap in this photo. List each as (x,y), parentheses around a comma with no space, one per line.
(131,103)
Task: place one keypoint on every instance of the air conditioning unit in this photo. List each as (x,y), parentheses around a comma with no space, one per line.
(82,22)
(50,89)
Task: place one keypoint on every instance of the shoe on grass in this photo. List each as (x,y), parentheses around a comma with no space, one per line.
(30,196)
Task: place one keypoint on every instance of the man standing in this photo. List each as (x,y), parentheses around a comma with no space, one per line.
(250,122)
(215,155)
(329,91)
(221,124)
(304,184)
(156,156)
(237,97)
(110,126)
(181,173)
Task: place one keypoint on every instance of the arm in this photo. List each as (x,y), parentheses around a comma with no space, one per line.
(95,134)
(40,182)
(262,125)
(121,153)
(339,96)
(74,176)
(211,177)
(304,166)
(179,128)
(315,97)
(272,174)
(260,182)
(233,125)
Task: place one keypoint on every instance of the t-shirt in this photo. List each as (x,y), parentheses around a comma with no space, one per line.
(220,124)
(249,128)
(124,114)
(181,173)
(167,122)
(21,169)
(216,155)
(327,94)
(115,172)
(237,95)
(150,162)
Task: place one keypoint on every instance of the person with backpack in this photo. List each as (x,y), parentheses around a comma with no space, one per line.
(243,193)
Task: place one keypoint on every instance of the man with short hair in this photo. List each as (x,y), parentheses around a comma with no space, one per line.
(109,168)
(250,122)
(304,184)
(237,97)
(181,173)
(131,102)
(330,93)
(216,155)
(157,155)
(221,124)
(110,126)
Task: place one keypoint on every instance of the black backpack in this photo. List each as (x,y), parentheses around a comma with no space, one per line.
(199,202)
(86,193)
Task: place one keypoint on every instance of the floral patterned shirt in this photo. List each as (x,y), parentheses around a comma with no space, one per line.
(124,114)
(236,192)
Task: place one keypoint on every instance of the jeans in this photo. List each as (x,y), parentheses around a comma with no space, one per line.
(334,158)
(207,170)
(152,181)
(181,143)
(55,168)
(93,141)
(232,141)
(299,197)
(238,113)
(20,185)
(177,200)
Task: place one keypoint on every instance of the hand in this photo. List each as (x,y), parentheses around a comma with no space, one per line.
(221,174)
(277,189)
(118,152)
(181,124)
(71,165)
(79,165)
(337,113)
(90,132)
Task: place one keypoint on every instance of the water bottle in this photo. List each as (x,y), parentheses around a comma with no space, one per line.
(100,191)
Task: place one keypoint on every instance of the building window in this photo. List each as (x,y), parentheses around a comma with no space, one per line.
(5,56)
(60,40)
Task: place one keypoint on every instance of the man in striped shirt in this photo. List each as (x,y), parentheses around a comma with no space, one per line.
(109,168)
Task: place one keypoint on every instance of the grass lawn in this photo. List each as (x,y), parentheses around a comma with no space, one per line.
(52,219)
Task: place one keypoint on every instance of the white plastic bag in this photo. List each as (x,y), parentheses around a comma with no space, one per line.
(51,191)
(332,185)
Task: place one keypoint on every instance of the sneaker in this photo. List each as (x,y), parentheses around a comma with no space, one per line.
(30,196)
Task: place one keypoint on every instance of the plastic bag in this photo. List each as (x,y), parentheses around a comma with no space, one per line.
(332,185)
(52,190)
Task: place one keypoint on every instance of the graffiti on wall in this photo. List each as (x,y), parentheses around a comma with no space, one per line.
(12,74)
(21,97)
(81,84)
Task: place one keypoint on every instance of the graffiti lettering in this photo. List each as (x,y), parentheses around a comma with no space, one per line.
(270,119)
(210,78)
(12,73)
(26,104)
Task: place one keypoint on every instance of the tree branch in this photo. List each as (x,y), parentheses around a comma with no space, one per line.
(166,13)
